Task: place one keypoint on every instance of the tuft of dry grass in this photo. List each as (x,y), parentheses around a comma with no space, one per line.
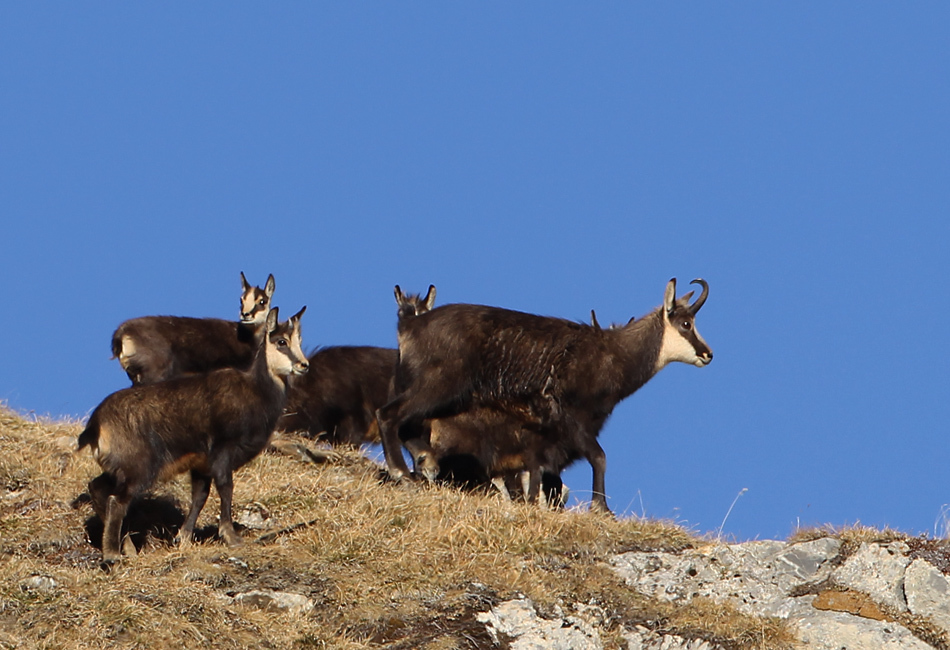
(395,565)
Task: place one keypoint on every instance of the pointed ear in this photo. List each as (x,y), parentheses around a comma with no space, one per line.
(684,299)
(271,323)
(669,300)
(296,317)
(400,299)
(269,287)
(429,301)
(244,284)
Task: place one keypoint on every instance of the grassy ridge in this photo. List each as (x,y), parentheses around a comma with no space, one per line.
(403,566)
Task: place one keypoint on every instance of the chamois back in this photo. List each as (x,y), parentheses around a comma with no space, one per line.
(157,348)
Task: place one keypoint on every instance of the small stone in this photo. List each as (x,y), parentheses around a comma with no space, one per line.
(39,584)
(279,602)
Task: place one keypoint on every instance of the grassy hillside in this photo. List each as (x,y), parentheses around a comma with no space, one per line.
(401,566)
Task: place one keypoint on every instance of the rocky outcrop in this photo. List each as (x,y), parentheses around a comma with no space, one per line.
(875,596)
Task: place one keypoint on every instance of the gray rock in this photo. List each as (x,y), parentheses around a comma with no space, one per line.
(39,585)
(517,624)
(823,630)
(640,638)
(928,593)
(877,571)
(756,576)
(280,602)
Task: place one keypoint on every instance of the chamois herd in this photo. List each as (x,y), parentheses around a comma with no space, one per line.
(474,394)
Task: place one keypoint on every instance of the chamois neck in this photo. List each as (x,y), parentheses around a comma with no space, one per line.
(250,333)
(261,371)
(641,341)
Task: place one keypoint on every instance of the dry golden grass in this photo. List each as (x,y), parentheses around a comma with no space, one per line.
(401,566)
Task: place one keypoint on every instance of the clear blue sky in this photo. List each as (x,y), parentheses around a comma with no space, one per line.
(543,156)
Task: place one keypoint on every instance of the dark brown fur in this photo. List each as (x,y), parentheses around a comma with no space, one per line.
(208,425)
(568,376)
(338,397)
(171,346)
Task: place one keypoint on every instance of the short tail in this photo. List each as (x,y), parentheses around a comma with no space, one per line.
(89,435)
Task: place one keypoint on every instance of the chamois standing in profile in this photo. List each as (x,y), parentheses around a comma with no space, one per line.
(570,376)
(206,424)
(155,348)
(486,444)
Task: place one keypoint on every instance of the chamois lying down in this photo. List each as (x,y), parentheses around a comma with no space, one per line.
(209,425)
(566,376)
(156,348)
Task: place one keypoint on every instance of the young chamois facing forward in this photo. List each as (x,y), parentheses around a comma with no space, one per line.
(155,348)
(569,375)
(209,425)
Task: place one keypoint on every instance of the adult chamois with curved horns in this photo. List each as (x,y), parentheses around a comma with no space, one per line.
(207,424)
(569,375)
(155,348)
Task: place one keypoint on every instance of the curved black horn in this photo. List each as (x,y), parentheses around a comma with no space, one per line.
(702,297)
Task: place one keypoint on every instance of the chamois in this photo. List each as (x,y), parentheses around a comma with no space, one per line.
(337,399)
(487,444)
(207,424)
(155,348)
(568,375)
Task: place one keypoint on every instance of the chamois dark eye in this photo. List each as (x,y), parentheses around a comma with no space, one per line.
(281,343)
(687,325)
(262,301)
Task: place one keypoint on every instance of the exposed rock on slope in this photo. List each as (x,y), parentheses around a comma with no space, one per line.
(880,596)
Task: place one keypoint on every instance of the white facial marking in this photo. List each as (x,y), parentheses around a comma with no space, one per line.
(675,347)
(128,349)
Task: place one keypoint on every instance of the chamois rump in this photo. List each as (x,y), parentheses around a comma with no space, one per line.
(569,376)
(155,348)
(206,424)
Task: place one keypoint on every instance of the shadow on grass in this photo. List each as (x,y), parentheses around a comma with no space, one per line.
(154,518)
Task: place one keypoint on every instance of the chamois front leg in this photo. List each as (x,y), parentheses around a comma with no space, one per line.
(200,489)
(224,483)
(392,448)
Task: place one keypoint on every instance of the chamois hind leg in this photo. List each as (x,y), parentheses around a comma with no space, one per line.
(200,488)
(116,509)
(598,462)
(100,488)
(110,501)
(224,484)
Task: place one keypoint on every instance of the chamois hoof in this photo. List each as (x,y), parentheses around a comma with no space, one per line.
(231,538)
(600,507)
